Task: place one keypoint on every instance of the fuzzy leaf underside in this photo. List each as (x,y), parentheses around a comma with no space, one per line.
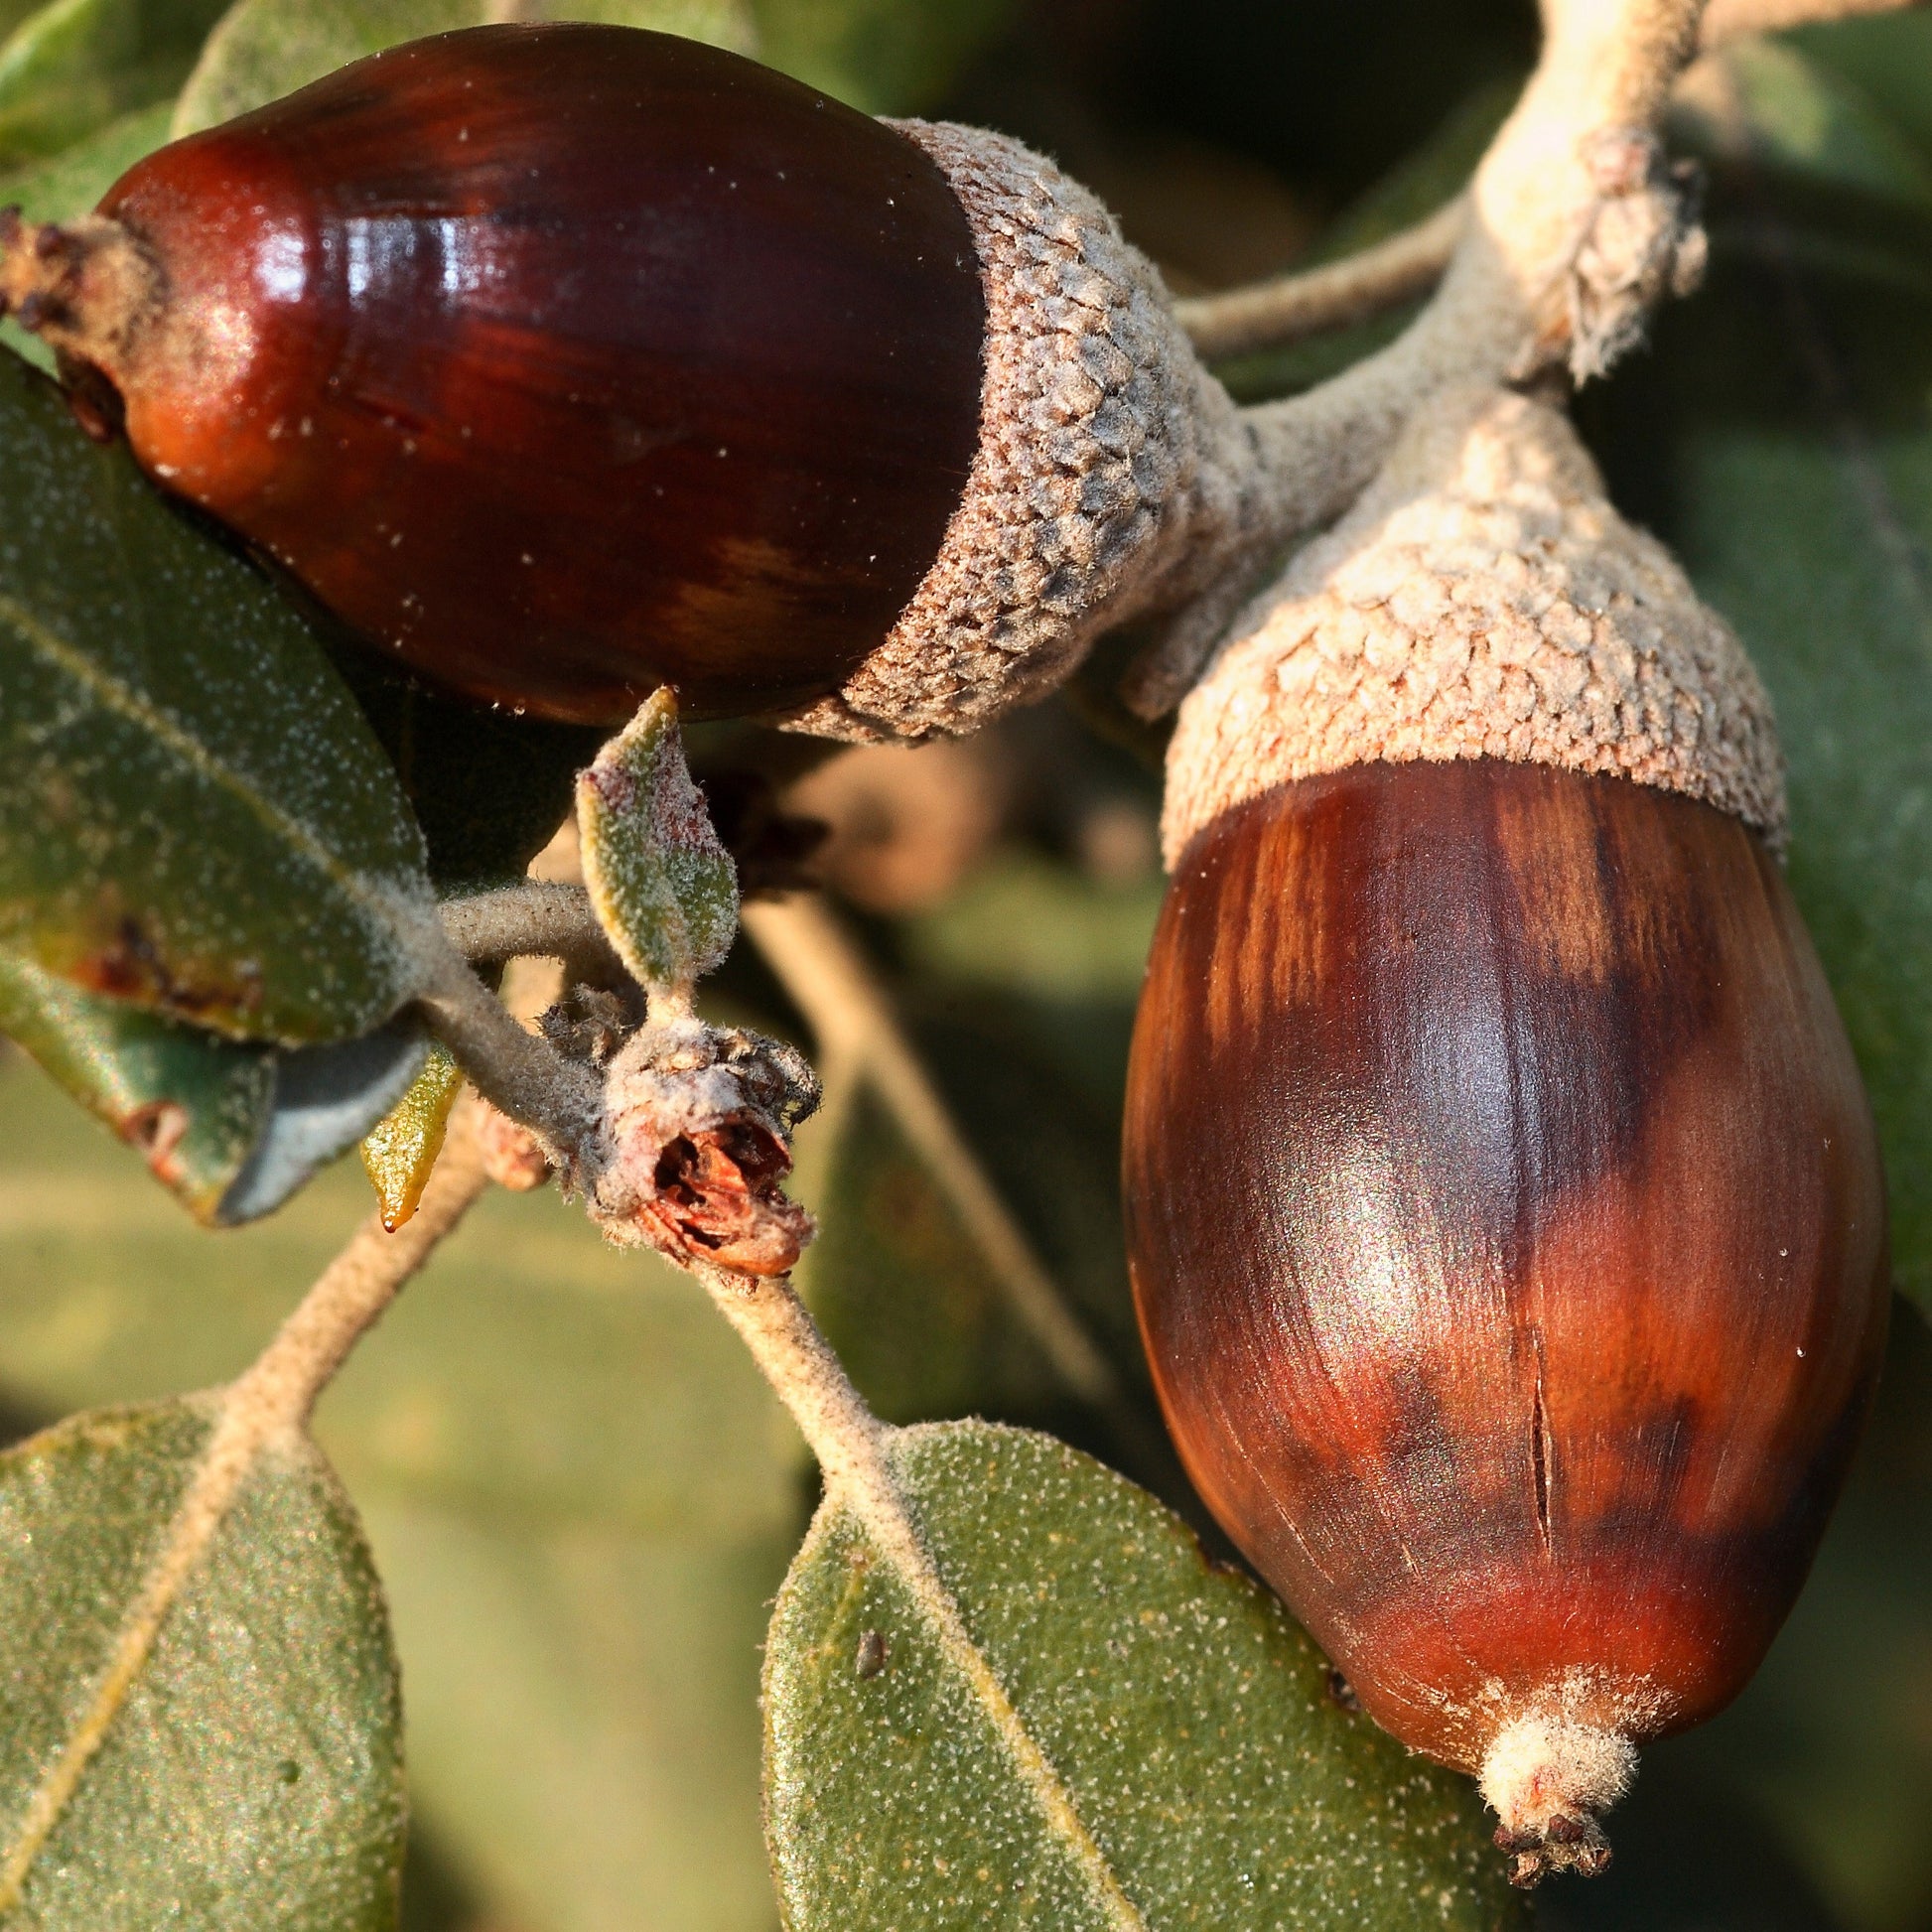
(252,1777)
(1214,1781)
(230,1129)
(194,814)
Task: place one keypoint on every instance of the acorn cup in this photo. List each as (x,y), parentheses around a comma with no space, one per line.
(566,362)
(1505,1212)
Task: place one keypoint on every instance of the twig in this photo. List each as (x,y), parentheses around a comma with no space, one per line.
(848,1010)
(534,918)
(853,1449)
(1268,315)
(1730,20)
(267,1406)
(1502,310)
(516,1071)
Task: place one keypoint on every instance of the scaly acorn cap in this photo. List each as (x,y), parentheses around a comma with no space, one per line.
(1481,600)
(1114,475)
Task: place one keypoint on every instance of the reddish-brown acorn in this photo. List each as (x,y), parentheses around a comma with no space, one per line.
(1507,1232)
(565,360)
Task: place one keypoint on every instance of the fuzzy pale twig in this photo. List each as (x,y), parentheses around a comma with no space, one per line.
(1730,20)
(531,919)
(1289,308)
(516,1071)
(853,1019)
(1608,67)
(855,1025)
(1565,246)
(265,1408)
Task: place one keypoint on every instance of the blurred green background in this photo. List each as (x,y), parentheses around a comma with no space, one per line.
(578,1491)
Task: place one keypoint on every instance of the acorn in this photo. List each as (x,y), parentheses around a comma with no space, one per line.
(1505,1211)
(567,361)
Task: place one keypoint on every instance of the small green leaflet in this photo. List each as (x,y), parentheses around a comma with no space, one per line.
(663,888)
(194,814)
(248,1776)
(1212,1779)
(401,1149)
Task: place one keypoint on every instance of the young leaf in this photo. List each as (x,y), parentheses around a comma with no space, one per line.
(194,816)
(1135,1740)
(401,1149)
(664,889)
(232,1130)
(244,1769)
(76,65)
(264,49)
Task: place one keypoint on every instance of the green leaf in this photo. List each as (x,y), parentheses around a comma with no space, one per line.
(401,1149)
(76,178)
(1192,1767)
(77,65)
(193,1104)
(264,49)
(662,887)
(884,57)
(1778,439)
(248,1771)
(1797,118)
(231,1130)
(194,816)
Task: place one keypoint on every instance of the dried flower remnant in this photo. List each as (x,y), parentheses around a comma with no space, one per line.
(700,1121)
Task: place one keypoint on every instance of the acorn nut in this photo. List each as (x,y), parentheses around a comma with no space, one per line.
(567,361)
(1505,1212)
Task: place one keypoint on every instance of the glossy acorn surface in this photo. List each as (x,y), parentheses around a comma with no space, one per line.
(1507,1232)
(569,360)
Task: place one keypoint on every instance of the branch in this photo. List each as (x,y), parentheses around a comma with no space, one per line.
(1269,315)
(1504,308)
(1730,20)
(853,1449)
(532,919)
(516,1071)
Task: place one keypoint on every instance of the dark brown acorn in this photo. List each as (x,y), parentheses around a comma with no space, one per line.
(566,360)
(1507,1232)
